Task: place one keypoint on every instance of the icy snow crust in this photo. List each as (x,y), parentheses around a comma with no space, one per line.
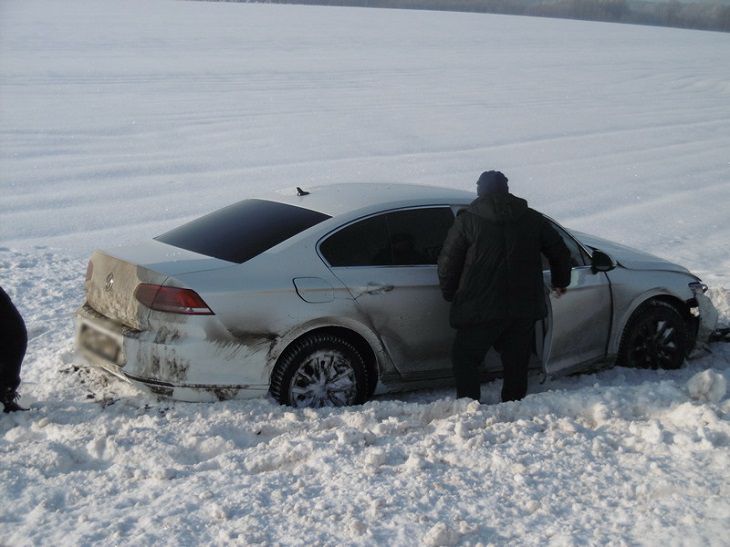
(121,120)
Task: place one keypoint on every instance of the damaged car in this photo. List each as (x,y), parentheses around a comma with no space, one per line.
(327,297)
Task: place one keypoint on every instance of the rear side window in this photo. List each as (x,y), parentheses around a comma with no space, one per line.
(363,243)
(401,238)
(243,230)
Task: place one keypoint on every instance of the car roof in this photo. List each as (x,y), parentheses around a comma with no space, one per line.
(339,199)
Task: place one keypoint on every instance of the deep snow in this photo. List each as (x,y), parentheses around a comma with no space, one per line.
(119,120)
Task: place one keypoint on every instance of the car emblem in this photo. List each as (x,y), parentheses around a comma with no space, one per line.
(109,284)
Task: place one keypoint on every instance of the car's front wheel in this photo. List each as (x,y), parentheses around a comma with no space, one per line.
(655,337)
(320,370)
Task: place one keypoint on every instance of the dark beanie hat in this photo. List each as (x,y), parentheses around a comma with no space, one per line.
(492,182)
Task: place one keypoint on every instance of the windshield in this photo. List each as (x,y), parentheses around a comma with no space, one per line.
(243,230)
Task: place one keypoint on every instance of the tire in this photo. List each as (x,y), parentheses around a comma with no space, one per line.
(655,337)
(320,370)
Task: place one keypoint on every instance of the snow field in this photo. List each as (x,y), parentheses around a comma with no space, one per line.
(121,120)
(149,113)
(574,465)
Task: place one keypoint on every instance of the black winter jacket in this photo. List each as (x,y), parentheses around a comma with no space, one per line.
(490,265)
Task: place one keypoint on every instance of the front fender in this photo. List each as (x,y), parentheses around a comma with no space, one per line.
(630,289)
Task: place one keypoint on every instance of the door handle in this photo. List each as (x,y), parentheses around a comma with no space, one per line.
(378,288)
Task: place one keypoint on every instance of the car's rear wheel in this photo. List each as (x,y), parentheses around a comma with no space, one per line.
(320,370)
(655,337)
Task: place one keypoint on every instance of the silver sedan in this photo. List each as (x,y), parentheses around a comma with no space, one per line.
(329,296)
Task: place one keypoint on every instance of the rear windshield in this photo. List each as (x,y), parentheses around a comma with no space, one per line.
(243,230)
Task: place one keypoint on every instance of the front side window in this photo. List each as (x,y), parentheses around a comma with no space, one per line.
(243,230)
(401,238)
(417,235)
(578,257)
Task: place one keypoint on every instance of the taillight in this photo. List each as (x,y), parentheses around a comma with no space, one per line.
(171,299)
(89,270)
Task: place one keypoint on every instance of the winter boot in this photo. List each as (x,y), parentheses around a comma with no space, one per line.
(9,398)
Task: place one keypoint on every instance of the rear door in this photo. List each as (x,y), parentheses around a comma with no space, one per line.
(580,320)
(388,263)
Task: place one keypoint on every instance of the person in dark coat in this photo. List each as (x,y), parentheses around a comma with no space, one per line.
(13,341)
(490,269)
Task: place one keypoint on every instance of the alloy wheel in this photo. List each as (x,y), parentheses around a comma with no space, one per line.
(656,345)
(324,379)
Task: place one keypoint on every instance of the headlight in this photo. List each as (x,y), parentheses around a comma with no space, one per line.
(698,287)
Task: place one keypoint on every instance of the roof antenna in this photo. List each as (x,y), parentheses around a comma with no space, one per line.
(301,192)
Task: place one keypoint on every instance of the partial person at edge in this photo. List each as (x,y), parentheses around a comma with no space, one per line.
(13,343)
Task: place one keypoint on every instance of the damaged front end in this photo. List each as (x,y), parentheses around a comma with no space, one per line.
(704,316)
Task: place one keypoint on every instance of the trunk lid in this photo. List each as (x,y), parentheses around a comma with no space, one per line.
(116,274)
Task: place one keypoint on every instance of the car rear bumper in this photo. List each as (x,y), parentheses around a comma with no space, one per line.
(168,364)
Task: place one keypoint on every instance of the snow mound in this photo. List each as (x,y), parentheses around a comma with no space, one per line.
(440,534)
(707,386)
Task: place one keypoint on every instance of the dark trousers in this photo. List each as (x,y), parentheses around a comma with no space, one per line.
(513,339)
(13,342)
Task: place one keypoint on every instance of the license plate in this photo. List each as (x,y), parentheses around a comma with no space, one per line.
(99,343)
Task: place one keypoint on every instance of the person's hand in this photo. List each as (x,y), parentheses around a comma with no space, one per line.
(559,291)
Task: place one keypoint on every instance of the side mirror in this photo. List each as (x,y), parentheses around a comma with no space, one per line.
(601,262)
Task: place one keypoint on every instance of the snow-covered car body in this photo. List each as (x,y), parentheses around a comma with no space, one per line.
(358,263)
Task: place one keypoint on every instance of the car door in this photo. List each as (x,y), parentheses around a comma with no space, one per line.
(579,321)
(388,263)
